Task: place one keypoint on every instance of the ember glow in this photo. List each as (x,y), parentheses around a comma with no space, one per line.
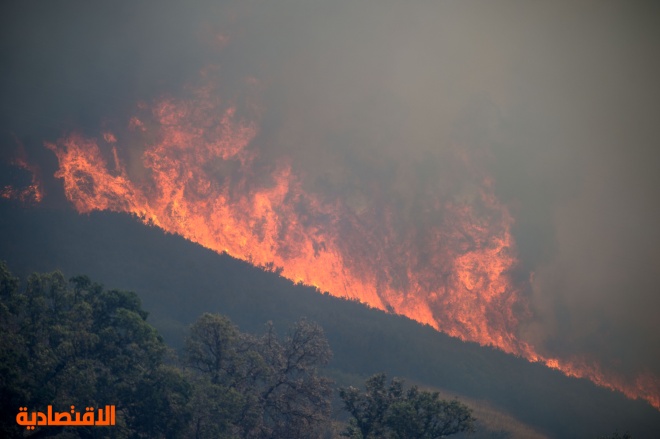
(200,176)
(33,192)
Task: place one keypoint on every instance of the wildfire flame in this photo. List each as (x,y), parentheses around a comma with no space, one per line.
(32,193)
(199,178)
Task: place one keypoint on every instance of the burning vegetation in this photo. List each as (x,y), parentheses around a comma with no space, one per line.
(200,174)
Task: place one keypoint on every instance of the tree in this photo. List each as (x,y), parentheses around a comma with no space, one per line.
(73,342)
(369,409)
(226,371)
(423,415)
(64,343)
(384,411)
(295,399)
(211,348)
(257,387)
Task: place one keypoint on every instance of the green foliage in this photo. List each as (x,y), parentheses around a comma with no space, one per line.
(257,387)
(387,411)
(64,343)
(73,342)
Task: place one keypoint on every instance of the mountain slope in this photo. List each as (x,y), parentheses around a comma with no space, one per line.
(179,280)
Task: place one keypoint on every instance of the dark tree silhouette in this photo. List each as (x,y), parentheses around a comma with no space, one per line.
(74,343)
(258,387)
(388,411)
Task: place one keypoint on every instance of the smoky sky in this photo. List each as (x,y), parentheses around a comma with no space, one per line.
(557,102)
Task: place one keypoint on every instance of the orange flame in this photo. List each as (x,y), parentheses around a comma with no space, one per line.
(32,193)
(199,178)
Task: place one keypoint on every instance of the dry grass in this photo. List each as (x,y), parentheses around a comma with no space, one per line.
(493,422)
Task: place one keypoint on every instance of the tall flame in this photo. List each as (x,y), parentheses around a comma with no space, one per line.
(199,178)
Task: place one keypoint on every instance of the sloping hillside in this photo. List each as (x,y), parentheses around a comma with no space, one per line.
(179,280)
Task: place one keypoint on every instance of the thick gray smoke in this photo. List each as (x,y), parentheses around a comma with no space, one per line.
(556,101)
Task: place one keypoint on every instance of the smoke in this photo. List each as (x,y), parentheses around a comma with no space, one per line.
(579,164)
(395,109)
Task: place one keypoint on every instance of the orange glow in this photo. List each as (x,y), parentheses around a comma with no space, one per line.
(198,177)
(32,193)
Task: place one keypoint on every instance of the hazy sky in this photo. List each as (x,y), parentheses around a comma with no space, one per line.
(558,102)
